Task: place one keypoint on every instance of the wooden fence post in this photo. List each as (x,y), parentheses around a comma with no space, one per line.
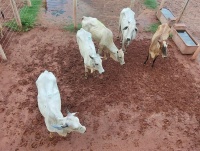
(2,53)
(132,3)
(29,3)
(182,12)
(16,13)
(74,13)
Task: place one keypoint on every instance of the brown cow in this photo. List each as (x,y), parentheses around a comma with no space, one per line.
(158,43)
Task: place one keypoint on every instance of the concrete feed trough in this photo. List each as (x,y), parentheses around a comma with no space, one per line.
(164,14)
(183,39)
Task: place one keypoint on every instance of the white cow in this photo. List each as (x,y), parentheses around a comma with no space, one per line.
(49,103)
(127,27)
(104,37)
(92,60)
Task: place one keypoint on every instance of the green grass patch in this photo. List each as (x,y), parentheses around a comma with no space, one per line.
(152,4)
(28,17)
(153,27)
(71,27)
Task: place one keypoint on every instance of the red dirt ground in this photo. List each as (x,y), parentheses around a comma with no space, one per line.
(134,107)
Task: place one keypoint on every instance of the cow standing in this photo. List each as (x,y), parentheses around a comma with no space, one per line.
(104,37)
(159,43)
(127,27)
(92,60)
(49,103)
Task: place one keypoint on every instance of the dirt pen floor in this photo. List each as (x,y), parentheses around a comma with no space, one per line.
(133,108)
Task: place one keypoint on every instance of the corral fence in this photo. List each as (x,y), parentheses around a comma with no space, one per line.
(10,11)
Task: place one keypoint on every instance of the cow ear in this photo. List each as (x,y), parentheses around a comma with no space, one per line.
(68,112)
(58,127)
(125,28)
(74,113)
(64,126)
(91,57)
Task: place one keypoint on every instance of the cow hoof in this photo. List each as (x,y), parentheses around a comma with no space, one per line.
(51,135)
(86,77)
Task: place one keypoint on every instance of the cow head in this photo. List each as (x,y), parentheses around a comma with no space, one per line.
(163,47)
(119,56)
(97,63)
(129,33)
(70,123)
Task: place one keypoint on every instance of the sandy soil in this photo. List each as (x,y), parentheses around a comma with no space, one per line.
(134,107)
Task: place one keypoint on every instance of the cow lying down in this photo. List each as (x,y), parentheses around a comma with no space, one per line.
(49,103)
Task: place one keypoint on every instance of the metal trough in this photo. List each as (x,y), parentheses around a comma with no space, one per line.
(164,14)
(183,39)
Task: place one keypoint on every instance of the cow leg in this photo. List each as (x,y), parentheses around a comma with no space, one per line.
(121,37)
(86,72)
(94,73)
(1,34)
(146,59)
(100,49)
(51,135)
(119,33)
(105,55)
(123,45)
(92,70)
(154,61)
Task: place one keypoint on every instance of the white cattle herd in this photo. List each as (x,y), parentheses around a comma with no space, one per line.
(49,101)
